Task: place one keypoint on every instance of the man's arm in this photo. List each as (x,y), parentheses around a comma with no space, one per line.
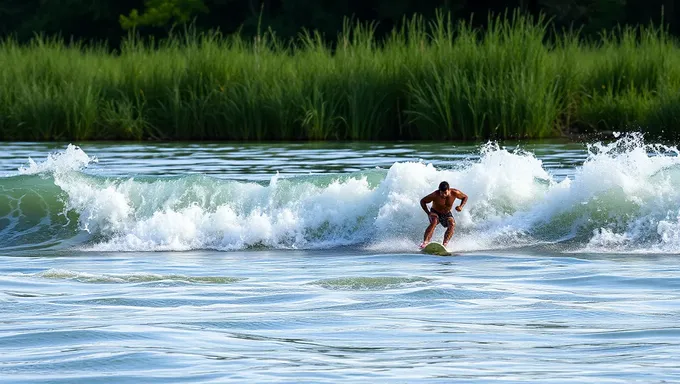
(425,200)
(463,197)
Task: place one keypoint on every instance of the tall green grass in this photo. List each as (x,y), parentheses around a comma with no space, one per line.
(434,80)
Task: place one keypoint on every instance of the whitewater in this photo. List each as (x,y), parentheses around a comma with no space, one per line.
(298,262)
(623,198)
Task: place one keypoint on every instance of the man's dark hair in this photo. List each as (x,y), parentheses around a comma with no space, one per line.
(443,186)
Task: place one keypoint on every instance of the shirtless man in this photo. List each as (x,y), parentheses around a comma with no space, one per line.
(442,201)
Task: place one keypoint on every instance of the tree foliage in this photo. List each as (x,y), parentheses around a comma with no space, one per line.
(106,20)
(161,13)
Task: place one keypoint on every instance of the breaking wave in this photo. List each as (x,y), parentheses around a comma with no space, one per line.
(624,198)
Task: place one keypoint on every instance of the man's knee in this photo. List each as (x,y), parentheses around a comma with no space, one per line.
(452,224)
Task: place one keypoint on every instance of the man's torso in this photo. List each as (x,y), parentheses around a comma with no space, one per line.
(443,204)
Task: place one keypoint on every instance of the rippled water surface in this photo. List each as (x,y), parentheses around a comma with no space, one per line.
(197,263)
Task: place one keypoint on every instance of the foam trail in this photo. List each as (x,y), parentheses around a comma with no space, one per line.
(84,277)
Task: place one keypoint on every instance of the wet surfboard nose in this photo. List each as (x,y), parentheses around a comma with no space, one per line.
(435,248)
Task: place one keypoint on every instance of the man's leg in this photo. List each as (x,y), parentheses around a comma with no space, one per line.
(430,230)
(449,231)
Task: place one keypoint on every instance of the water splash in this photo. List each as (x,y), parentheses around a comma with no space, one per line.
(622,199)
(71,159)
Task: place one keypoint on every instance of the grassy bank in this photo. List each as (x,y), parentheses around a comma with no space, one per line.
(427,81)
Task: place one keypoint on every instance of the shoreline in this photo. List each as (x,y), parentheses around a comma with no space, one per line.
(574,138)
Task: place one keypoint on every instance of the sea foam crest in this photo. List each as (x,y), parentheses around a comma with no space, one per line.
(71,159)
(635,189)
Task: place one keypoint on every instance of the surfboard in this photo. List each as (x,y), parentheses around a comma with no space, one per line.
(435,248)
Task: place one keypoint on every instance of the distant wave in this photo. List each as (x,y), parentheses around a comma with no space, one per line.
(625,198)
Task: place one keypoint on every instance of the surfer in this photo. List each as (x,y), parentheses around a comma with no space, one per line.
(442,201)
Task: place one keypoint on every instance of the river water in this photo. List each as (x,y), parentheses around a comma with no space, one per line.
(162,263)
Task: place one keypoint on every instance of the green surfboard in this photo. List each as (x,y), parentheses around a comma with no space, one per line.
(436,249)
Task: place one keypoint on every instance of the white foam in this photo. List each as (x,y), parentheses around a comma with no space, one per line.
(71,159)
(634,186)
(292,215)
(499,185)
(623,199)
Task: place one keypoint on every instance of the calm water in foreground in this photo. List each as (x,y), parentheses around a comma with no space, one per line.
(298,263)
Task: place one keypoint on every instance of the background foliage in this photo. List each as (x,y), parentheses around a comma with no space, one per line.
(431,79)
(105,20)
(351,70)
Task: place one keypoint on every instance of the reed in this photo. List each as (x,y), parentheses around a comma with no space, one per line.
(500,84)
(431,80)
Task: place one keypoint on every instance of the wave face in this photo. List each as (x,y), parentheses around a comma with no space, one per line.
(624,198)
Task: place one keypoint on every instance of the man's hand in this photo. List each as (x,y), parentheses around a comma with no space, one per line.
(463,197)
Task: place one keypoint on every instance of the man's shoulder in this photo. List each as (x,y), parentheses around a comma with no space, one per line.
(431,195)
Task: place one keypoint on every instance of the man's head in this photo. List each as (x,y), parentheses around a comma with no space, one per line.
(444,188)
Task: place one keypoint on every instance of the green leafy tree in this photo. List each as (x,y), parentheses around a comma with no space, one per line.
(162,13)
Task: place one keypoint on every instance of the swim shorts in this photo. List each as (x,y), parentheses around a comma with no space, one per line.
(444,217)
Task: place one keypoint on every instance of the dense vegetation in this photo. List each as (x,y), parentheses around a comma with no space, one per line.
(440,80)
(105,20)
